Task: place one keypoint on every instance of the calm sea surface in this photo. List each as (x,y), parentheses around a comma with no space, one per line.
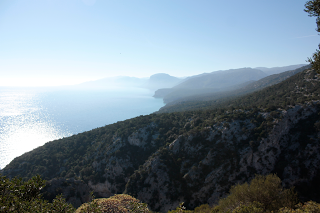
(30,117)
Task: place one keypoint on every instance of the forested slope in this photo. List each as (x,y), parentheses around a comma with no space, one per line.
(194,156)
(211,100)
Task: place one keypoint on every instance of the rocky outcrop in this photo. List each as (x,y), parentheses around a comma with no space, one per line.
(116,163)
(192,157)
(201,168)
(200,165)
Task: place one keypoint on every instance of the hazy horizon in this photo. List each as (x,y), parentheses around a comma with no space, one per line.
(115,78)
(67,42)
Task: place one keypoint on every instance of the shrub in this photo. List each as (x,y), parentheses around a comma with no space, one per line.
(204,208)
(121,203)
(180,209)
(24,196)
(310,207)
(263,192)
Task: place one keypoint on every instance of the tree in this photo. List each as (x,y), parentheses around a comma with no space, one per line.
(25,196)
(313,8)
(263,194)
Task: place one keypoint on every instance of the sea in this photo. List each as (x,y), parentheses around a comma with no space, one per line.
(30,117)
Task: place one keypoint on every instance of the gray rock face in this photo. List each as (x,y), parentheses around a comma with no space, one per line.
(193,157)
(201,168)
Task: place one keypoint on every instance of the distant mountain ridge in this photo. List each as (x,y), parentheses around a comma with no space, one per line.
(222,79)
(164,84)
(162,80)
(194,100)
(193,156)
(218,81)
(277,70)
(156,81)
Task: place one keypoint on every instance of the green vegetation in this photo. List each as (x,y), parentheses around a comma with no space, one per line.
(191,152)
(264,193)
(313,8)
(120,203)
(201,95)
(208,144)
(96,156)
(72,157)
(291,91)
(307,207)
(25,196)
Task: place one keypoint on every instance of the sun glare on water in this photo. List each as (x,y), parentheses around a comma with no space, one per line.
(23,125)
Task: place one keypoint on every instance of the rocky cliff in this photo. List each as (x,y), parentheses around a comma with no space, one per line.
(201,167)
(192,156)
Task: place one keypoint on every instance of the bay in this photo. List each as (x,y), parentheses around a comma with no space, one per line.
(30,117)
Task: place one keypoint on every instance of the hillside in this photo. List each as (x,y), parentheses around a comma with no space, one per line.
(162,80)
(210,82)
(222,79)
(193,156)
(218,83)
(277,70)
(154,82)
(196,102)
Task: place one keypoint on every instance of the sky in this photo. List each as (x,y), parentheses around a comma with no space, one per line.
(62,42)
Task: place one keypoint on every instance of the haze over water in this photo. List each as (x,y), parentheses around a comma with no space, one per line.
(31,117)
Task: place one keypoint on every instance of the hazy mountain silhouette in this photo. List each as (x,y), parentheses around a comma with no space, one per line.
(218,81)
(162,80)
(277,70)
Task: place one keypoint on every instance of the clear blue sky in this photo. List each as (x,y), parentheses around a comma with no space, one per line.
(54,42)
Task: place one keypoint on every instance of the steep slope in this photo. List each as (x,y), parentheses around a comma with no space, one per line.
(171,96)
(197,102)
(211,82)
(194,156)
(219,83)
(200,167)
(222,79)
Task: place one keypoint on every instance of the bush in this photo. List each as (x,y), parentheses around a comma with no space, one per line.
(310,207)
(254,207)
(120,203)
(24,196)
(204,208)
(264,193)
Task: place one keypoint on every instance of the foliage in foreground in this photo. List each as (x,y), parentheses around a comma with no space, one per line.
(121,203)
(264,193)
(24,196)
